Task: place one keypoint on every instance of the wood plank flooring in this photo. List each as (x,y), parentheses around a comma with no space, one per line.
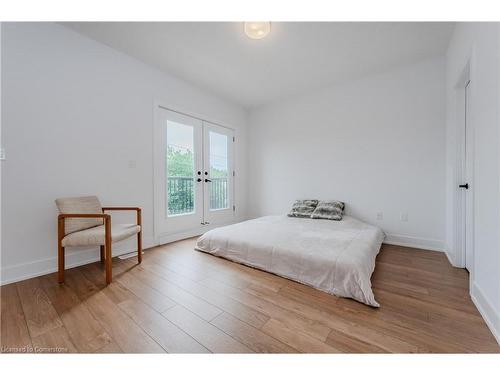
(183,301)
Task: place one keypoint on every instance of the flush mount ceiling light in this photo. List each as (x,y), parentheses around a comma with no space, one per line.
(257,30)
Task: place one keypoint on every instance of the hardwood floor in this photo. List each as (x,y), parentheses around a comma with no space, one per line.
(183,301)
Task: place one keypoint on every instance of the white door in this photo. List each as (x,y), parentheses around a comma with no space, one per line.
(218,173)
(194,174)
(468,188)
(180,172)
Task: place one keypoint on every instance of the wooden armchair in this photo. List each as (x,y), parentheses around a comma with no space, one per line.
(83,222)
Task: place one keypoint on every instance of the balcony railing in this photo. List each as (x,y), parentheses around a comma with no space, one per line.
(218,193)
(180,193)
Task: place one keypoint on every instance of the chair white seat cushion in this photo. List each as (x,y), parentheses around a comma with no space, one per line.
(96,236)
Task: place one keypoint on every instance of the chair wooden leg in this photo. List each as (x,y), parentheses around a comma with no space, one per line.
(60,259)
(139,236)
(139,247)
(60,250)
(103,256)
(109,265)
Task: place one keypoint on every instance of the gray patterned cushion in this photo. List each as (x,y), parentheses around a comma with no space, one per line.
(331,210)
(80,205)
(303,208)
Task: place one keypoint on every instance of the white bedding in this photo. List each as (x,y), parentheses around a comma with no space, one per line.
(337,257)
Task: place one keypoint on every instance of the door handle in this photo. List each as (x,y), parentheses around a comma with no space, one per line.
(464,186)
(207,180)
(198,180)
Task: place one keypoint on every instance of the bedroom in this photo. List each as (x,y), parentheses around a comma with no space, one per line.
(250,187)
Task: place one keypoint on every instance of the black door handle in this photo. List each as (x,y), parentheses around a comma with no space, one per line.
(207,180)
(198,180)
(464,186)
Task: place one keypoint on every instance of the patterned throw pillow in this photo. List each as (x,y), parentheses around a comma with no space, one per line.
(331,210)
(303,208)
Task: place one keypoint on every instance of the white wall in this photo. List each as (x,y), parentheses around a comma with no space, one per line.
(479,44)
(75,112)
(376,143)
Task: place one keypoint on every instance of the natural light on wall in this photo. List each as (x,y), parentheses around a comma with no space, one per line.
(257,30)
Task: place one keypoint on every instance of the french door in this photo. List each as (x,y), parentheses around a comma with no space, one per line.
(218,173)
(467,183)
(194,173)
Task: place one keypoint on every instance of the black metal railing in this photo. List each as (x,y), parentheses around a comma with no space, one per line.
(180,193)
(218,193)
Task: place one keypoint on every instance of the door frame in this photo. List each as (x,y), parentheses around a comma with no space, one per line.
(464,199)
(162,238)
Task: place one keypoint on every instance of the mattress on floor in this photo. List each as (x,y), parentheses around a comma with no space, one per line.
(337,257)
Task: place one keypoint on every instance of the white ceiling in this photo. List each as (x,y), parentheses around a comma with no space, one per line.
(294,58)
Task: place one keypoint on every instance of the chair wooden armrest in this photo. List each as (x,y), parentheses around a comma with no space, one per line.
(137,209)
(121,209)
(84,216)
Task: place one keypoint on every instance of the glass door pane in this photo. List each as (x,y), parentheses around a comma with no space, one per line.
(219,174)
(180,169)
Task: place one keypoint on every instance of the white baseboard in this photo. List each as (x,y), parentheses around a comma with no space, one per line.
(390,239)
(487,311)
(74,258)
(416,242)
(451,259)
(451,256)
(172,237)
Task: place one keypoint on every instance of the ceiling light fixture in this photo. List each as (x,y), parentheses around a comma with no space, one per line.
(257,30)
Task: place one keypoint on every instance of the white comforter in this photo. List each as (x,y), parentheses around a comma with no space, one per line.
(337,257)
